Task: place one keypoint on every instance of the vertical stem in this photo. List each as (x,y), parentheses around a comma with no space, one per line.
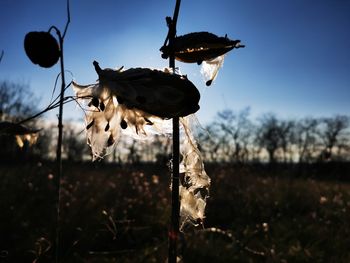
(175,202)
(59,150)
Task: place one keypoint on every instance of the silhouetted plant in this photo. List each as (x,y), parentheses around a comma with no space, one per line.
(43,49)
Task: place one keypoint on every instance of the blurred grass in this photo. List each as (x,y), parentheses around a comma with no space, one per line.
(111,213)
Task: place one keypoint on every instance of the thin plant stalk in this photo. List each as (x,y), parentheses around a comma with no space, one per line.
(59,149)
(175,201)
(60,136)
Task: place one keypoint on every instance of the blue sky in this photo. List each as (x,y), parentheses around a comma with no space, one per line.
(296,62)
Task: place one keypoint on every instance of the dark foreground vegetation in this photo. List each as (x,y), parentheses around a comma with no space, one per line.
(111,213)
(291,205)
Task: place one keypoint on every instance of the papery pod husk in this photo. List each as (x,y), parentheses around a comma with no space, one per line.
(42,48)
(200,46)
(156,92)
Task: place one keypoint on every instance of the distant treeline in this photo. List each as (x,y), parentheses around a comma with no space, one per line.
(232,137)
(235,137)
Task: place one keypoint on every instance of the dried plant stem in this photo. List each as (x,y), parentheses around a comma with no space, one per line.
(175,202)
(55,104)
(60,136)
(59,149)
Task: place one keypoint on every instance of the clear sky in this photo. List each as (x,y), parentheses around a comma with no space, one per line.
(296,62)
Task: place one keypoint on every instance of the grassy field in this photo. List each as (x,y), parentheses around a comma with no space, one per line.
(111,213)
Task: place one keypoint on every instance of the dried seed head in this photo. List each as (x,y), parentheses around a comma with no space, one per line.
(42,48)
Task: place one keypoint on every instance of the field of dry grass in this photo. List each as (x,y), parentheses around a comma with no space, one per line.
(111,213)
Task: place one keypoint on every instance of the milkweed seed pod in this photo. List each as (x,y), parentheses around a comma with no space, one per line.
(141,100)
(156,92)
(133,99)
(42,48)
(203,48)
(200,46)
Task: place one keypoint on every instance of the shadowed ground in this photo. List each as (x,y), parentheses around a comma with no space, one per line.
(121,214)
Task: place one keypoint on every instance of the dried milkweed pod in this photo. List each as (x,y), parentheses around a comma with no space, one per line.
(133,99)
(42,48)
(156,92)
(202,47)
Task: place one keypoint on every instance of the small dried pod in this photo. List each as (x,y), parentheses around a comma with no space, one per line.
(42,48)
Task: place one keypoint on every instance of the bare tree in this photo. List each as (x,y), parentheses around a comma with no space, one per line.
(236,133)
(16,101)
(333,135)
(133,155)
(44,147)
(286,135)
(305,138)
(268,135)
(161,149)
(156,149)
(74,143)
(210,142)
